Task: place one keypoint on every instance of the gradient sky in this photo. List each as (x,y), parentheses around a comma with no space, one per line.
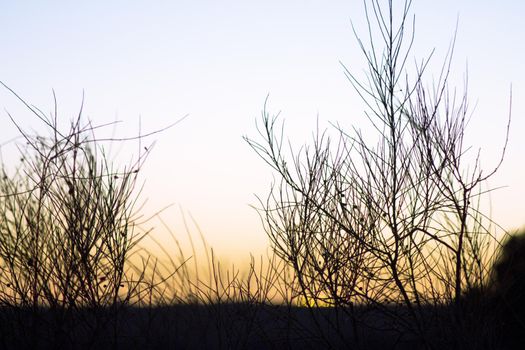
(217,61)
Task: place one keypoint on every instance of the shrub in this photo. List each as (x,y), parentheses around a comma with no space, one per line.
(68,225)
(394,225)
(508,290)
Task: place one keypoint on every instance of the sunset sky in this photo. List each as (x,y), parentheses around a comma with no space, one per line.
(216,61)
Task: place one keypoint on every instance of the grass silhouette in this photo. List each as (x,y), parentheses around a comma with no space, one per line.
(74,274)
(372,246)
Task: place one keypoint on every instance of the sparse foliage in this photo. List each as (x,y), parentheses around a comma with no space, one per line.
(395,223)
(374,243)
(68,222)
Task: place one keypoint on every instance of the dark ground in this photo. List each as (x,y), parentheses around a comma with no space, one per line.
(246,326)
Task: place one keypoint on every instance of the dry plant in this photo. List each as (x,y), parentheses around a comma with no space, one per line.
(394,225)
(74,271)
(367,237)
(69,224)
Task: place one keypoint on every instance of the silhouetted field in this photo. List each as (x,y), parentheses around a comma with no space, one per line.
(374,245)
(248,326)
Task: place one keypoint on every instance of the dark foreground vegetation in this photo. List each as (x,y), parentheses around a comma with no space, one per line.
(492,323)
(375,244)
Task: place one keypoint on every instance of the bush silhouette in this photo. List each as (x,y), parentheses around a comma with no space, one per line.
(509,288)
(394,225)
(373,245)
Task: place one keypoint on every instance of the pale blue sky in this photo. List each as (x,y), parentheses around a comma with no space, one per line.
(217,61)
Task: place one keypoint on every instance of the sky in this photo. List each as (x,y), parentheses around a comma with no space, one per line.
(217,61)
